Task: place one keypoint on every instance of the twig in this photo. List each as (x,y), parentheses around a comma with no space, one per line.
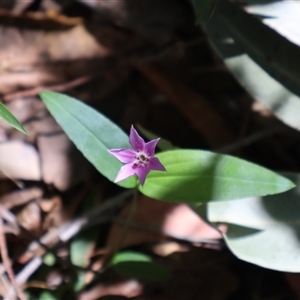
(250,139)
(7,263)
(57,88)
(91,218)
(5,283)
(23,276)
(66,232)
(129,218)
(166,234)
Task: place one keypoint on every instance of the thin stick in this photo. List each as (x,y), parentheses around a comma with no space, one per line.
(256,137)
(66,232)
(166,234)
(57,88)
(7,263)
(129,218)
(125,230)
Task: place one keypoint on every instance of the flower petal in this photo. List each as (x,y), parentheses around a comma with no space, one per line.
(149,147)
(135,140)
(155,164)
(125,172)
(141,173)
(124,155)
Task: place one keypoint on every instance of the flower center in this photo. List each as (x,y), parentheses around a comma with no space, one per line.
(141,159)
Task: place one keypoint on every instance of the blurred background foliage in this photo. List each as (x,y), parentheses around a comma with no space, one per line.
(216,75)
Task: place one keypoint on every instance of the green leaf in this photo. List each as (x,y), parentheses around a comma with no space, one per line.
(262,230)
(284,104)
(8,117)
(49,259)
(200,176)
(82,246)
(138,265)
(80,281)
(91,132)
(261,62)
(269,49)
(48,295)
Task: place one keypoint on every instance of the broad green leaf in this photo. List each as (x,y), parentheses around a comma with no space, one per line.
(283,103)
(200,176)
(266,64)
(8,117)
(269,49)
(262,230)
(138,265)
(282,16)
(91,132)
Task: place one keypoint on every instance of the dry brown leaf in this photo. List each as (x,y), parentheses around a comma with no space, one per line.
(30,218)
(3,135)
(129,288)
(31,58)
(62,164)
(154,220)
(21,6)
(48,204)
(51,20)
(166,248)
(5,284)
(20,197)
(10,224)
(19,160)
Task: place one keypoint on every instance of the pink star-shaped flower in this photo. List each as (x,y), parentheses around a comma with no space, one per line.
(139,161)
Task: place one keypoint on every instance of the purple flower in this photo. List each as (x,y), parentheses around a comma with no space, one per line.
(139,161)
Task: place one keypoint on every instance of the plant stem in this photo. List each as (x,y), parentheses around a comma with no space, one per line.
(129,218)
